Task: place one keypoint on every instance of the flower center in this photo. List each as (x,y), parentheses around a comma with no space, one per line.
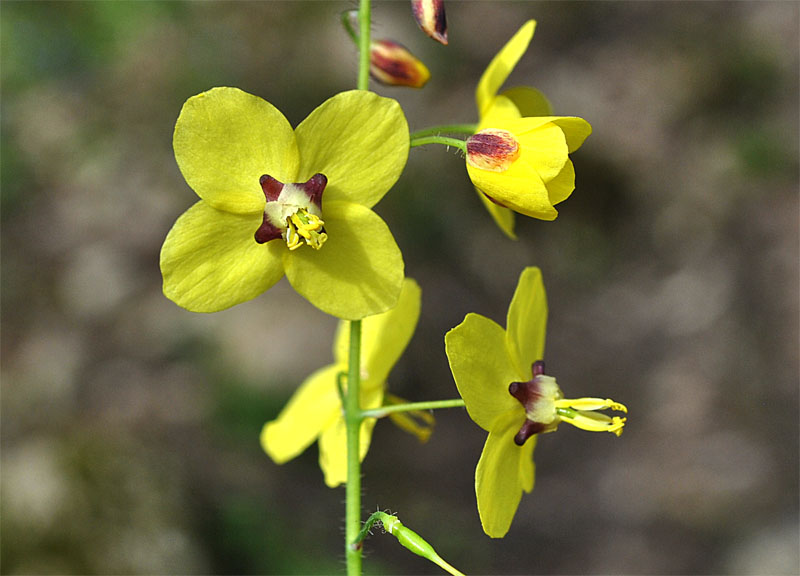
(293,212)
(492,149)
(545,407)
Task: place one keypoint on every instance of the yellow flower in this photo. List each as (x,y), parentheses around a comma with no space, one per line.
(541,174)
(262,215)
(500,375)
(315,410)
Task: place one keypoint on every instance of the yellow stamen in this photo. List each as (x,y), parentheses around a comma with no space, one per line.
(591,404)
(580,412)
(304,226)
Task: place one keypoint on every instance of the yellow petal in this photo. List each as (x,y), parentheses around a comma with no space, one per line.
(314,406)
(500,111)
(529,101)
(560,187)
(503,217)
(575,129)
(358,272)
(503,472)
(333,449)
(360,141)
(333,438)
(519,188)
(542,146)
(502,65)
(225,140)
(527,321)
(482,370)
(385,336)
(210,259)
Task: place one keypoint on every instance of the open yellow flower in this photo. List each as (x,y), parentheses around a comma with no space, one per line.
(540,174)
(262,215)
(315,410)
(500,375)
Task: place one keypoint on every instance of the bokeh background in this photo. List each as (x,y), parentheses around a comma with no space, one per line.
(130,426)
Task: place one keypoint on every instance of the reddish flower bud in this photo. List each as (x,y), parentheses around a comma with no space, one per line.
(493,150)
(429,14)
(391,63)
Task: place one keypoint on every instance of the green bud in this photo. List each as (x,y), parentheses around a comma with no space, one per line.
(408,538)
(413,541)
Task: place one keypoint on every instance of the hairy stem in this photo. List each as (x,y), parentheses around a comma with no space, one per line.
(353,418)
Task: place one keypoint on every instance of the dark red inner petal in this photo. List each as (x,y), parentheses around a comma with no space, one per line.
(267,231)
(314,188)
(528,429)
(527,394)
(271,187)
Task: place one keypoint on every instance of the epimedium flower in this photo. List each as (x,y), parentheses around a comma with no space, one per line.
(518,158)
(500,375)
(276,201)
(315,410)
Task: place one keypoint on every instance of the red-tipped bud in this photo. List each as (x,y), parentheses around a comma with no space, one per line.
(429,14)
(391,63)
(492,149)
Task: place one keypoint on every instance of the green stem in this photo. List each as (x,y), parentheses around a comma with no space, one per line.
(467,129)
(432,405)
(364,19)
(353,417)
(352,407)
(444,140)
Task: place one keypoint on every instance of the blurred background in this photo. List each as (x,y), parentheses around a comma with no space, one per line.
(130,426)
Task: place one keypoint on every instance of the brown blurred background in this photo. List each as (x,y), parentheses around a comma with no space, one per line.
(130,426)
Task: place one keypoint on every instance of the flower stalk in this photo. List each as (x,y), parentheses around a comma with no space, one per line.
(443,140)
(384,411)
(466,129)
(352,406)
(364,20)
(353,418)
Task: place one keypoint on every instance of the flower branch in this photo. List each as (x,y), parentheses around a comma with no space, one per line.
(444,140)
(384,411)
(466,129)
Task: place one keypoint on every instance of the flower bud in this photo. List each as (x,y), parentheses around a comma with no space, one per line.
(430,17)
(492,149)
(391,63)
